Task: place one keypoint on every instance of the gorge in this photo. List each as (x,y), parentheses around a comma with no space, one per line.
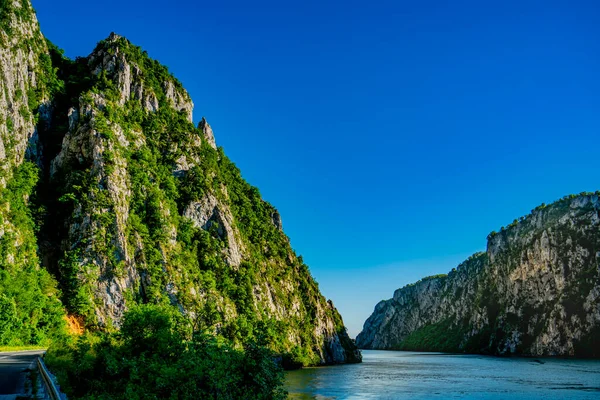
(138,261)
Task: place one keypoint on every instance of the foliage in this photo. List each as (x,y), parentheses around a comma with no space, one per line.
(30,312)
(157,355)
(441,277)
(8,10)
(442,336)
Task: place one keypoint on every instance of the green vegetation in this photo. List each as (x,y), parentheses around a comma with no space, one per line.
(428,278)
(155,74)
(156,354)
(21,348)
(437,276)
(30,311)
(8,10)
(442,336)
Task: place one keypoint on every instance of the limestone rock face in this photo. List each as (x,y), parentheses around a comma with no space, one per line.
(535,291)
(145,208)
(207,133)
(27,83)
(210,212)
(23,55)
(85,144)
(276,217)
(338,346)
(139,204)
(179,99)
(127,72)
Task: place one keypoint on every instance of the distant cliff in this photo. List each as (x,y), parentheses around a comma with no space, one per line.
(536,291)
(109,193)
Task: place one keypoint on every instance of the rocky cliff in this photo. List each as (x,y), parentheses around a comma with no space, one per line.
(536,291)
(135,204)
(30,310)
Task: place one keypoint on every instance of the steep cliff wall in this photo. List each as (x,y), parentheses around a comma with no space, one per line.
(30,311)
(136,204)
(535,291)
(23,80)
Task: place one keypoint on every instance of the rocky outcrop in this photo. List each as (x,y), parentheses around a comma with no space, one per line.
(338,345)
(277,220)
(428,301)
(179,99)
(23,87)
(209,213)
(207,133)
(30,308)
(94,147)
(143,207)
(84,150)
(140,206)
(127,70)
(535,291)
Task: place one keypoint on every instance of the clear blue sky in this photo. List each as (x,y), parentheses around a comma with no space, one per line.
(393,136)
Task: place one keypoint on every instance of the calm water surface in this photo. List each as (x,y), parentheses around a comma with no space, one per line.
(411,375)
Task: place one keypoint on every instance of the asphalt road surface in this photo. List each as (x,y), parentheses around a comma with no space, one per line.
(12,370)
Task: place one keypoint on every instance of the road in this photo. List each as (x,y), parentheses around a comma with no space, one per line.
(12,371)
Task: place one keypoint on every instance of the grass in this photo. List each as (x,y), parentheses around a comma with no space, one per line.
(21,348)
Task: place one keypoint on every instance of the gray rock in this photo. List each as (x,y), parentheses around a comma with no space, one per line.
(538,284)
(207,133)
(209,212)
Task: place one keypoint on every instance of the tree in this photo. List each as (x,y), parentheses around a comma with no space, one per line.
(156,355)
(8,318)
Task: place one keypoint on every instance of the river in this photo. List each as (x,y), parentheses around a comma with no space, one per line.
(412,375)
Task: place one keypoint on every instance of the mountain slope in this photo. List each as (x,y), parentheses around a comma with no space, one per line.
(535,291)
(30,311)
(137,205)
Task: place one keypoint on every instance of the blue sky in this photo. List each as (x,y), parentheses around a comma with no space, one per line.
(393,136)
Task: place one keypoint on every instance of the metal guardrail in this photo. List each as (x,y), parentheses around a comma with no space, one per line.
(51,389)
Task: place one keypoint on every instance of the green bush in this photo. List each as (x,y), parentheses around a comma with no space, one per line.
(157,355)
(30,312)
(441,336)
